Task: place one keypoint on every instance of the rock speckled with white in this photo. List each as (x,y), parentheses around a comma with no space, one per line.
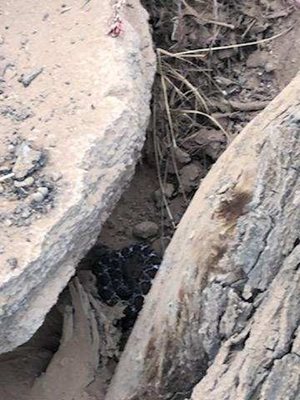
(84,118)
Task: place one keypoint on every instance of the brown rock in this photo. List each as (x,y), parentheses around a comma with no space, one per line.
(190,176)
(168,192)
(145,230)
(258,59)
(212,141)
(181,156)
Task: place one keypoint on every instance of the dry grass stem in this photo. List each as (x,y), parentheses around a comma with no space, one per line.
(195,53)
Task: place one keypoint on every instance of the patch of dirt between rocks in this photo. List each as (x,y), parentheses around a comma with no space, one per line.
(166,177)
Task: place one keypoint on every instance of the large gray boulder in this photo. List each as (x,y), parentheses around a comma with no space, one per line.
(221,321)
(74,106)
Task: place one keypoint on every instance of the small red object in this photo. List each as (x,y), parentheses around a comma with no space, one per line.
(116,28)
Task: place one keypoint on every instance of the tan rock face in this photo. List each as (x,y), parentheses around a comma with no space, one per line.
(226,300)
(74,105)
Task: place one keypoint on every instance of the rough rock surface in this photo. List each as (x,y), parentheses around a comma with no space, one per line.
(74,105)
(222,318)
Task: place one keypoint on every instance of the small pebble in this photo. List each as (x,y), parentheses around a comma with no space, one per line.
(26,214)
(247,293)
(168,192)
(182,156)
(159,246)
(43,190)
(26,79)
(190,177)
(26,183)
(8,222)
(1,189)
(11,148)
(27,160)
(145,230)
(37,197)
(270,67)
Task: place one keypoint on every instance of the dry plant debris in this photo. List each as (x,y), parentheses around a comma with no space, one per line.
(215,72)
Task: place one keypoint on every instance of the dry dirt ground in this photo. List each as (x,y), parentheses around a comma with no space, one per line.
(253,76)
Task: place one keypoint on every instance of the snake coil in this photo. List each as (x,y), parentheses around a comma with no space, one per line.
(125,276)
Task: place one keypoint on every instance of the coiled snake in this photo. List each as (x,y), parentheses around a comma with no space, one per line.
(125,276)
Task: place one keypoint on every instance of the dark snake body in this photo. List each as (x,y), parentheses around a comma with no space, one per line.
(125,276)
